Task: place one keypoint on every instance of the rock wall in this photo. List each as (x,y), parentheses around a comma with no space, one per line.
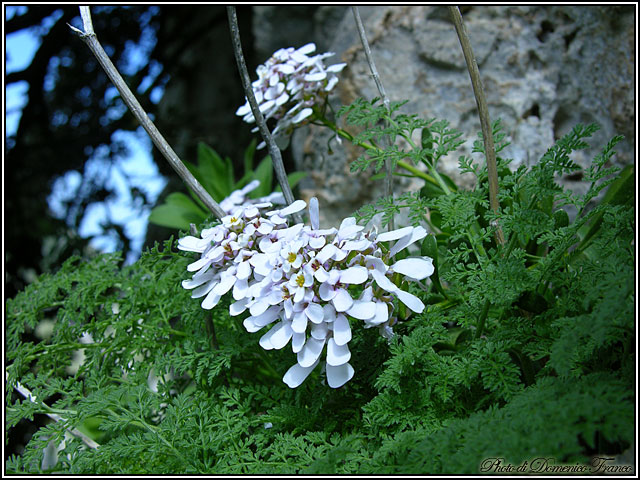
(544,69)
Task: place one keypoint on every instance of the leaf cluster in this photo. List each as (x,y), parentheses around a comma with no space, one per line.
(379,125)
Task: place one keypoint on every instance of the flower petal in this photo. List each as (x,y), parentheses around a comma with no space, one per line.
(329,312)
(314,214)
(304,113)
(198,264)
(238,307)
(376,263)
(338,376)
(341,330)
(315,77)
(357,245)
(310,352)
(250,325)
(299,295)
(394,234)
(327,292)
(202,290)
(336,67)
(342,301)
(240,289)
(191,244)
(293,208)
(334,276)
(349,231)
(417,234)
(383,282)
(354,275)
(381,316)
(281,336)
(267,317)
(265,227)
(244,270)
(225,284)
(243,110)
(297,374)
(307,49)
(297,341)
(286,68)
(211,300)
(410,300)
(321,275)
(414,268)
(362,310)
(319,330)
(315,312)
(337,354)
(326,253)
(299,323)
(317,242)
(259,307)
(196,281)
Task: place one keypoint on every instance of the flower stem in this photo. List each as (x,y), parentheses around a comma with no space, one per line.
(274,151)
(483,111)
(482,319)
(374,73)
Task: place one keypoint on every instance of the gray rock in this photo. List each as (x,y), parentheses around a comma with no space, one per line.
(544,69)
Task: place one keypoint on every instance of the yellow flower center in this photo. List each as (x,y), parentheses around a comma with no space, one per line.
(300,280)
(292,257)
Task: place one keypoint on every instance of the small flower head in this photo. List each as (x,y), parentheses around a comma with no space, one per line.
(288,87)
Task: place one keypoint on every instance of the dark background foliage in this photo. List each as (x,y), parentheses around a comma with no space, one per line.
(72,113)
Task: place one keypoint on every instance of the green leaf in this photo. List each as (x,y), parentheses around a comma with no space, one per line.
(178,211)
(249,153)
(427,143)
(264,173)
(620,192)
(229,174)
(213,172)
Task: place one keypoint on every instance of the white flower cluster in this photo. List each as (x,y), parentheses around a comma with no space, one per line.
(289,84)
(298,278)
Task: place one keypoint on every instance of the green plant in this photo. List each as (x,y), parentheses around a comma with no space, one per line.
(519,349)
(524,347)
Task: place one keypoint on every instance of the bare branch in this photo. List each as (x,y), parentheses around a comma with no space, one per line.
(374,72)
(274,151)
(87,23)
(26,393)
(483,111)
(89,37)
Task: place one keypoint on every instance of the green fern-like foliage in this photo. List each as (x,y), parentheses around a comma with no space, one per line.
(525,350)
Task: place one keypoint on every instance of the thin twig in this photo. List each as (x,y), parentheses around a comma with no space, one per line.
(274,151)
(54,416)
(483,111)
(388,187)
(89,37)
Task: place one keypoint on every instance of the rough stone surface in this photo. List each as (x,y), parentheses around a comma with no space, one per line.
(544,69)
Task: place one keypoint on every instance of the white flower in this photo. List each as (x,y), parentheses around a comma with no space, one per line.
(299,283)
(296,280)
(289,85)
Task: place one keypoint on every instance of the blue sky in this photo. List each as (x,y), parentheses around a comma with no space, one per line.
(20,48)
